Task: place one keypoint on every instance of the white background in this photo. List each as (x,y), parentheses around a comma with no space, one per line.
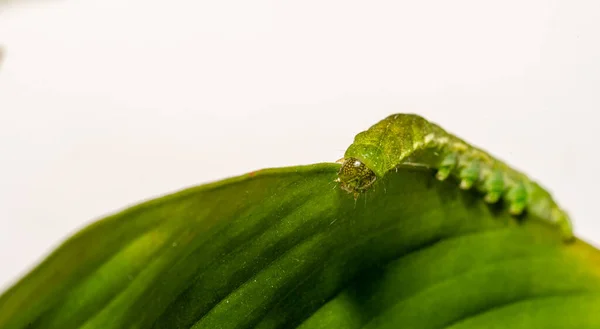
(106,103)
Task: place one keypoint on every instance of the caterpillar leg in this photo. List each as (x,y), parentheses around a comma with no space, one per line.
(494,185)
(517,199)
(447,166)
(469,175)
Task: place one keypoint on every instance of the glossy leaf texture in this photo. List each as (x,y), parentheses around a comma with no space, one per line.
(285,248)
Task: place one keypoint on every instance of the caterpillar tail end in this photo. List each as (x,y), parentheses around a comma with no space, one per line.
(568,236)
(564,224)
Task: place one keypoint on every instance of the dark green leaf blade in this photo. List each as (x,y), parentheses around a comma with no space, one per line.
(283,247)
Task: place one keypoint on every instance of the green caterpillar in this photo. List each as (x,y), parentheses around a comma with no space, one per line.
(411,140)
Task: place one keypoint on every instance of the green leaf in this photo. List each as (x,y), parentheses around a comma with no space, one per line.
(284,248)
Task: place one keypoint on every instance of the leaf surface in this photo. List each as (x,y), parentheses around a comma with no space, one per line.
(284,248)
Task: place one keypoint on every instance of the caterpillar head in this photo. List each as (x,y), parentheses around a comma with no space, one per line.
(355,177)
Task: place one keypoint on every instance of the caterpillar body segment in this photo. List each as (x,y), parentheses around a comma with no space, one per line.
(409,139)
